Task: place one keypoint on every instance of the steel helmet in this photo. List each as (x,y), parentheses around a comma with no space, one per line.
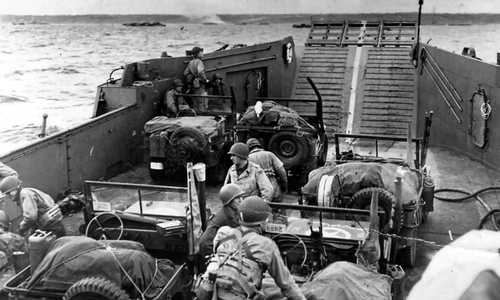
(254,210)
(239,149)
(9,183)
(229,192)
(196,50)
(4,220)
(178,82)
(253,143)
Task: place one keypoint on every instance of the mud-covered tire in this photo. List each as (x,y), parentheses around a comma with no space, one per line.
(290,149)
(95,288)
(362,199)
(190,145)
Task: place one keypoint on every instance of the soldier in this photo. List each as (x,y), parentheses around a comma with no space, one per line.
(230,195)
(196,79)
(39,209)
(272,166)
(247,175)
(9,241)
(242,255)
(174,104)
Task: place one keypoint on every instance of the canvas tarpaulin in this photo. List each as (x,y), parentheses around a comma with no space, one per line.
(453,269)
(72,258)
(205,124)
(347,281)
(354,176)
(273,114)
(339,281)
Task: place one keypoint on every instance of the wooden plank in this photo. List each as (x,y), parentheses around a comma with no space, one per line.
(324,80)
(330,50)
(323,93)
(324,58)
(381,100)
(389,97)
(370,89)
(388,106)
(391,71)
(383,131)
(376,111)
(321,76)
(389,66)
(316,63)
(329,69)
(322,86)
(387,121)
(394,59)
(411,77)
(397,81)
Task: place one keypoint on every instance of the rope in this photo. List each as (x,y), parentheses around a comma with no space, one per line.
(110,250)
(485,110)
(300,241)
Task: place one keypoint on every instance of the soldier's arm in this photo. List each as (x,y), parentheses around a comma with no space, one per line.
(228,177)
(201,71)
(280,172)
(265,186)
(281,275)
(30,213)
(6,171)
(170,103)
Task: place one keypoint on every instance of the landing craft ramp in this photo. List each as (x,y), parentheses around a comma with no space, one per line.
(364,73)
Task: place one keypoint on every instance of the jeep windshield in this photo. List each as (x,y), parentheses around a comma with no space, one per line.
(343,225)
(140,199)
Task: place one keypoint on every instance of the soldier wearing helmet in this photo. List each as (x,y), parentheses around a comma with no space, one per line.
(272,166)
(173,104)
(248,175)
(6,171)
(9,242)
(196,78)
(39,209)
(242,255)
(228,215)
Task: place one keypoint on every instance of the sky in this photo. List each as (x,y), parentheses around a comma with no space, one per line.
(204,7)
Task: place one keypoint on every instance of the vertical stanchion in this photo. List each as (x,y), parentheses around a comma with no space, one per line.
(200,175)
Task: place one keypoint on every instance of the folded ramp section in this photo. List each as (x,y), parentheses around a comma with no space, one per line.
(387,102)
(329,67)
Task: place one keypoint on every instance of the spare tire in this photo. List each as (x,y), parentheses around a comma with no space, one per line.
(193,134)
(290,149)
(95,288)
(386,200)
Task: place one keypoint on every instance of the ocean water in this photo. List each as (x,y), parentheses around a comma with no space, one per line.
(54,69)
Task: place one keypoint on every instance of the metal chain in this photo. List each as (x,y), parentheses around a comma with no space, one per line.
(395,236)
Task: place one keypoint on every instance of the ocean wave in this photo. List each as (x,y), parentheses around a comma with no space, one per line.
(42,45)
(60,70)
(12,99)
(28,132)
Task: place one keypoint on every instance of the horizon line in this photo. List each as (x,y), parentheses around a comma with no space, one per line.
(236,14)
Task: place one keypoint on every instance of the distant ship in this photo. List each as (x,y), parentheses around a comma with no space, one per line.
(146,24)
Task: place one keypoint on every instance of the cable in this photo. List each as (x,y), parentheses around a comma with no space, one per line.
(110,250)
(490,213)
(475,195)
(300,242)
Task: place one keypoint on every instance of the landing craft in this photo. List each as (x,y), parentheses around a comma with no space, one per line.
(375,78)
